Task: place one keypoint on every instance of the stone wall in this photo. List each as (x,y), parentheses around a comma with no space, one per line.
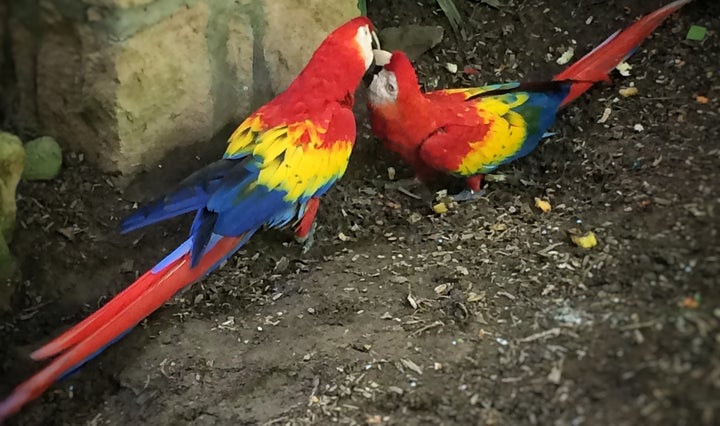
(126,81)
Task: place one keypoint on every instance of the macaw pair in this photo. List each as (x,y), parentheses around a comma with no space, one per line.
(470,132)
(287,154)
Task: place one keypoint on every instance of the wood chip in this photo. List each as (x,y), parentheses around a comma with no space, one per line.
(412,301)
(605,116)
(410,365)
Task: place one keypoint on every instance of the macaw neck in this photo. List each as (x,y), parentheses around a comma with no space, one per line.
(418,116)
(329,82)
(404,125)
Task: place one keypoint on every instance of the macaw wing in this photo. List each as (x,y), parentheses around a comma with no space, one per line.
(191,194)
(496,127)
(467,93)
(285,166)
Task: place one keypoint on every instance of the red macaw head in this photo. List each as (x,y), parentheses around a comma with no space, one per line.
(358,35)
(342,58)
(399,112)
(396,81)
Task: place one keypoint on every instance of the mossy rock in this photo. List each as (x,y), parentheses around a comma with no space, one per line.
(43,159)
(12,157)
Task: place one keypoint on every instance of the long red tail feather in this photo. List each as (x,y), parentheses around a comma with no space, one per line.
(120,314)
(110,310)
(596,65)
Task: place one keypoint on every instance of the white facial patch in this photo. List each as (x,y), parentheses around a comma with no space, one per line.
(364,40)
(384,88)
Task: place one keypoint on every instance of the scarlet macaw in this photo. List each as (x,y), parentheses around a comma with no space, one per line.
(470,132)
(277,165)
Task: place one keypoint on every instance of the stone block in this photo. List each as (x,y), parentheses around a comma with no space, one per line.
(294,29)
(127,82)
(23,54)
(126,104)
(232,45)
(164,94)
(3,34)
(122,4)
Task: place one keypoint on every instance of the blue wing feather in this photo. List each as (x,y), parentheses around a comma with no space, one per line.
(190,195)
(539,111)
(233,196)
(240,212)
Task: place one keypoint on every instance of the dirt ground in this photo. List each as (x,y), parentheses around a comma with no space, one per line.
(398,316)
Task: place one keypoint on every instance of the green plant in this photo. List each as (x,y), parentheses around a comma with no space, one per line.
(362,6)
(450,10)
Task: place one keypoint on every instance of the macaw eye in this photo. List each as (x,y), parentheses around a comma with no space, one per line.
(390,87)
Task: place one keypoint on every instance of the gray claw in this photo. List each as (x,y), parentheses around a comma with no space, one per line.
(469,195)
(309,239)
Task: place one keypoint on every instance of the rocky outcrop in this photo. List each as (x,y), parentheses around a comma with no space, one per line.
(12,160)
(128,81)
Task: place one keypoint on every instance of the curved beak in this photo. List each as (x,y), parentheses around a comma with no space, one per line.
(375,38)
(382,57)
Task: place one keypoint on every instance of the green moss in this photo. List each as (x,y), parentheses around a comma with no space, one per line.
(12,159)
(43,159)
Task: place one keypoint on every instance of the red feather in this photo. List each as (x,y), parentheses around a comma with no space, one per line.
(434,132)
(323,91)
(123,312)
(596,65)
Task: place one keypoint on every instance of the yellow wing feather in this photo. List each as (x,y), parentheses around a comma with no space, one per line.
(244,136)
(470,92)
(499,134)
(503,139)
(295,158)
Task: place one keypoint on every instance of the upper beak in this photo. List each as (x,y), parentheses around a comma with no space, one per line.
(382,57)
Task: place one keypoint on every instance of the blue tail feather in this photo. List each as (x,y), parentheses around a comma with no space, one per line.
(539,111)
(182,249)
(79,365)
(200,233)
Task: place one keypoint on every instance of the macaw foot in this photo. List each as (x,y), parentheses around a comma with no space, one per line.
(472,191)
(469,195)
(308,240)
